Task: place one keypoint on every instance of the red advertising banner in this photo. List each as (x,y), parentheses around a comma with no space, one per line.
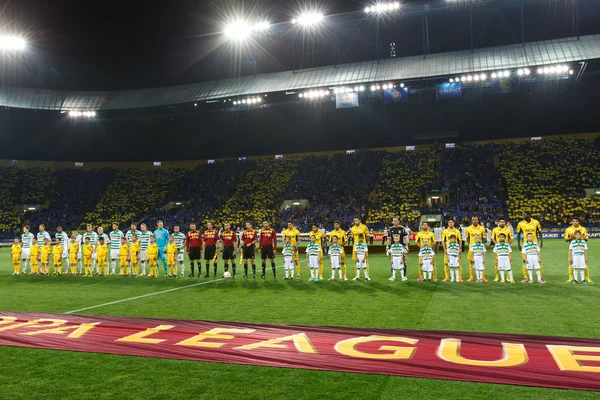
(552,362)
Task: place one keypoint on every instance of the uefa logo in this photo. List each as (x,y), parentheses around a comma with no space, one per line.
(396,95)
(347,97)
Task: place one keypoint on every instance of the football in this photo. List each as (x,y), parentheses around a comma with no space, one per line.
(227,274)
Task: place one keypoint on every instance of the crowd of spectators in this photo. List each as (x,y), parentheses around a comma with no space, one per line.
(337,188)
(473,184)
(548,178)
(401,186)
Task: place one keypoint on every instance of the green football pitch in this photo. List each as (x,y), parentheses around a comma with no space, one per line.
(554,309)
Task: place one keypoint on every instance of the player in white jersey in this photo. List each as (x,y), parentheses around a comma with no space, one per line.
(532,258)
(578,257)
(64,241)
(335,252)
(43,234)
(115,246)
(180,242)
(26,239)
(362,262)
(79,240)
(397,253)
(144,239)
(454,260)
(503,253)
(478,251)
(93,236)
(313,258)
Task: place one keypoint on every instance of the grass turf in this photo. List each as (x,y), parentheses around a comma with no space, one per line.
(479,307)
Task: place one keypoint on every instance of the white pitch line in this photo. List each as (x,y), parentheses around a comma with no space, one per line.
(150,294)
(142,296)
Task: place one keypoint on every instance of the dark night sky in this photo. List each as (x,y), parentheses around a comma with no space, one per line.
(119,45)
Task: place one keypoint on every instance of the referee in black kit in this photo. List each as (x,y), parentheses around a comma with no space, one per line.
(397,229)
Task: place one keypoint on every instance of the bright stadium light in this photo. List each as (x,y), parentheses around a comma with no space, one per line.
(309,18)
(12,43)
(526,71)
(494,76)
(476,78)
(451,80)
(382,7)
(483,77)
(77,114)
(241,30)
(571,72)
(373,88)
(402,85)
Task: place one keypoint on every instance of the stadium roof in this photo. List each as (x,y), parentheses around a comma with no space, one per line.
(409,68)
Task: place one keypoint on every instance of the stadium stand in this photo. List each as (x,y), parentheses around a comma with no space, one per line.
(337,188)
(9,216)
(548,178)
(400,186)
(473,183)
(75,192)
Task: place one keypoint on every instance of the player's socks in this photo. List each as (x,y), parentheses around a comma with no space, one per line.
(215,266)
(264,268)
(254,270)
(587,274)
(530,274)
(538,274)
(233,269)
(273,268)
(446,272)
(394,273)
(403,273)
(246,269)
(501,275)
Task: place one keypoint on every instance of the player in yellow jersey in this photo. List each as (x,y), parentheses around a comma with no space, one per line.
(45,252)
(508,237)
(451,230)
(134,254)
(171,262)
(342,239)
(526,226)
(294,235)
(472,231)
(102,257)
(357,229)
(73,253)
(88,253)
(15,256)
(34,253)
(152,252)
(569,236)
(57,252)
(425,233)
(124,256)
(320,240)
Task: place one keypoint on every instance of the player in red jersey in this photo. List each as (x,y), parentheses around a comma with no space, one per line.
(267,246)
(193,246)
(229,242)
(249,239)
(211,237)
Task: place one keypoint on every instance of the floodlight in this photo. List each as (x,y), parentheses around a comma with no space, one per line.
(373,88)
(12,43)
(310,18)
(483,77)
(402,85)
(361,88)
(494,76)
(469,78)
(451,81)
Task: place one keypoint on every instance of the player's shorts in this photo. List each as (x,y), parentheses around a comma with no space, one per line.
(123,261)
(16,258)
(228,253)
(288,264)
(579,262)
(153,261)
(162,255)
(397,263)
(25,254)
(296,257)
(361,261)
(335,262)
(532,263)
(478,264)
(427,266)
(143,255)
(503,264)
(267,252)
(101,263)
(248,253)
(179,257)
(210,253)
(73,258)
(45,259)
(57,260)
(87,260)
(115,254)
(194,253)
(313,262)
(170,259)
(452,263)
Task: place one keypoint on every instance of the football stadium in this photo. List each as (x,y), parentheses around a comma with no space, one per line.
(318,199)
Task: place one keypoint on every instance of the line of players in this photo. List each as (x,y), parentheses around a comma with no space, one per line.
(90,251)
(529,241)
